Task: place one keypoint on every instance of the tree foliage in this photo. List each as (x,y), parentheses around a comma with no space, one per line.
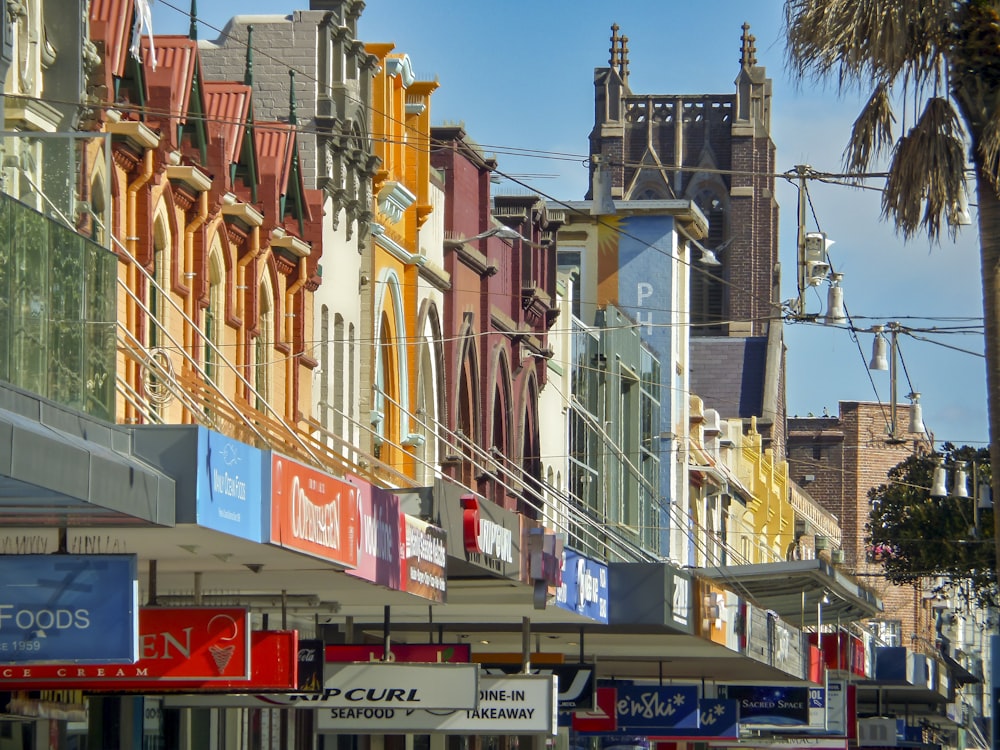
(914,536)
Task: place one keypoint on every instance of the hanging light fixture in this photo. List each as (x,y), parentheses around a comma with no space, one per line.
(916,414)
(938,488)
(880,360)
(835,312)
(960,488)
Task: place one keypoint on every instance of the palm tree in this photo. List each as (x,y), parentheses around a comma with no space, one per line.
(943,57)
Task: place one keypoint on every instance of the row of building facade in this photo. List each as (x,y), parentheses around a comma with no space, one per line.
(272,343)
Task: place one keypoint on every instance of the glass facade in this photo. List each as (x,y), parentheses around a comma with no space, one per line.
(58,311)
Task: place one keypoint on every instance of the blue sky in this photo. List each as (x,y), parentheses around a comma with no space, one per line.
(519,76)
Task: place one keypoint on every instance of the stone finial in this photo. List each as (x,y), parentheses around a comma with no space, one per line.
(748,51)
(619,52)
(625,61)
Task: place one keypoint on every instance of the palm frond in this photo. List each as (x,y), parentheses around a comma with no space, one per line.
(926,173)
(865,40)
(871,135)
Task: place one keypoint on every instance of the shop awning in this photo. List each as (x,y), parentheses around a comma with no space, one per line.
(794,588)
(59,466)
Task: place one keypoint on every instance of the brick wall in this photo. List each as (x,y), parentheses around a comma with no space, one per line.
(847,456)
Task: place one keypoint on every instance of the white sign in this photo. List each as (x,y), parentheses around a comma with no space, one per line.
(516,704)
(396,685)
(366,685)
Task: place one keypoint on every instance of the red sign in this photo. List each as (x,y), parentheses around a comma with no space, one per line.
(190,643)
(453,653)
(602,718)
(470,523)
(313,512)
(275,669)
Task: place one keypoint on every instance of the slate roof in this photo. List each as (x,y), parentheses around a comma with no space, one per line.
(728,373)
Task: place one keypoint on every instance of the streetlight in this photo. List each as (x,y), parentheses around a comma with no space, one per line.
(982,496)
(882,361)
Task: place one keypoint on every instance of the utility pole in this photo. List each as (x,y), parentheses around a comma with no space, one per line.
(800,242)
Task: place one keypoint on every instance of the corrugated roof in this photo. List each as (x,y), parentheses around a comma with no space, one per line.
(176,58)
(227,107)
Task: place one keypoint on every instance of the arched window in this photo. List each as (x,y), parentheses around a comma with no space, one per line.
(214,314)
(339,399)
(263,346)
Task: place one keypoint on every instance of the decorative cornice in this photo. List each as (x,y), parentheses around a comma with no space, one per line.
(22,113)
(294,246)
(472,258)
(394,249)
(133,131)
(243,213)
(436,276)
(193,177)
(401,66)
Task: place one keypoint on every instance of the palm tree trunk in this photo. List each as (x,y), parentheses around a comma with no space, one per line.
(989,249)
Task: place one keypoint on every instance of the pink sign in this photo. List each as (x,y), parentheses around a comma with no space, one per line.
(380,537)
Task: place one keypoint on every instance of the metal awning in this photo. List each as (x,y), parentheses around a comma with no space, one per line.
(795,589)
(60,466)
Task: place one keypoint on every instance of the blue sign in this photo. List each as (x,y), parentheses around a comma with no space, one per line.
(770,704)
(229,486)
(656,709)
(69,608)
(584,588)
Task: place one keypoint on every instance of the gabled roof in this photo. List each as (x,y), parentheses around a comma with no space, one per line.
(111,27)
(227,108)
(169,86)
(275,143)
(278,162)
(229,115)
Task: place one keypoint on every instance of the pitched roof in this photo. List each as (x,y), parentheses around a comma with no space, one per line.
(227,108)
(728,373)
(169,86)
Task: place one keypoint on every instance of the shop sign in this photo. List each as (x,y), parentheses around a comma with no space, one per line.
(311,660)
(81,609)
(425,564)
(524,704)
(650,709)
(378,685)
(380,535)
(312,512)
(770,704)
(229,486)
(184,644)
(480,532)
(456,653)
(574,682)
(584,588)
(679,606)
